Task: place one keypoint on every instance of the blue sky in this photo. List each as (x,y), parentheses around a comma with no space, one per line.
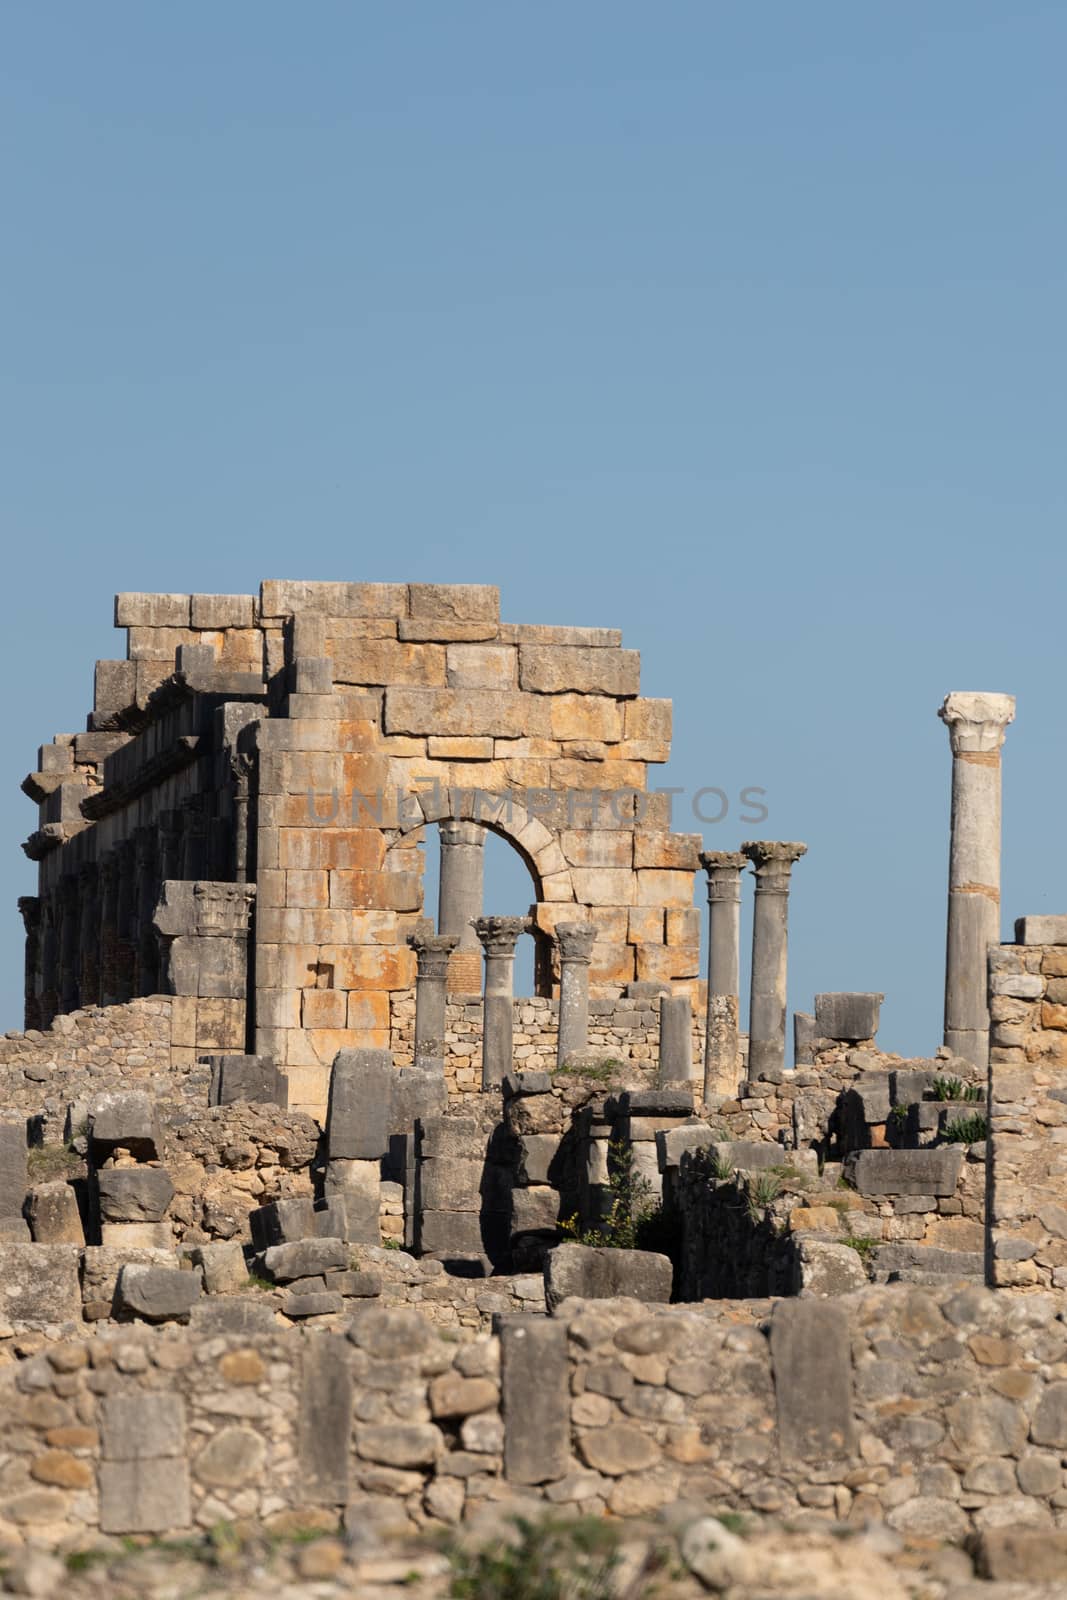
(739,327)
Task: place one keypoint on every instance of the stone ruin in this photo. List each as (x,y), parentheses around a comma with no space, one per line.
(304,1214)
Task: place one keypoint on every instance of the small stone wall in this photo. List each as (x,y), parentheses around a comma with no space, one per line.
(941,1413)
(1028,1114)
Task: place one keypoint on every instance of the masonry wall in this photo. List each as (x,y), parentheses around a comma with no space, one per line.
(941,1412)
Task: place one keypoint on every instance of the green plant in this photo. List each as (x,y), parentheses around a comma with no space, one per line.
(634,1216)
(966,1130)
(47,1161)
(254,1281)
(389,1243)
(591,1071)
(955,1089)
(899,1114)
(762,1190)
(549,1560)
(863,1244)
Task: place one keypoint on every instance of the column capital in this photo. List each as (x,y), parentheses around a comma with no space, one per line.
(772,857)
(433,951)
(452,832)
(976,722)
(500,935)
(723,868)
(575,940)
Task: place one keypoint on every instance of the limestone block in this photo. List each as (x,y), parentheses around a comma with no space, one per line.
(1041,930)
(13,1167)
(133,1194)
(618,1449)
(54,1218)
(114,686)
(222,610)
(537,1152)
(678,852)
(847,1016)
(534,1209)
(481,666)
(586,716)
(158,1294)
(1020,985)
(451,1185)
(388,661)
(255,1079)
(305,1258)
(588,1273)
(101,1265)
(811,1357)
(222,1265)
(152,610)
(661,887)
(454,602)
(535,1399)
(360,1109)
(282,1222)
(647,729)
(460,749)
(351,1214)
(555,669)
(39,1284)
(325,1421)
(933,1171)
(283,597)
(451,1233)
(484,713)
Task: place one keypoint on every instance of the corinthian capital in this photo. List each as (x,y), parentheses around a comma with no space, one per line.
(500,935)
(975,721)
(772,861)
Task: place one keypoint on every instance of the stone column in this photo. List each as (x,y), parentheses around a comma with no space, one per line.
(30,911)
(976,724)
(498,936)
(433,951)
(170,845)
(125,920)
(89,934)
(460,899)
(147,893)
(241,765)
(49,959)
(109,900)
(772,861)
(675,1040)
(69,957)
(721,1043)
(575,941)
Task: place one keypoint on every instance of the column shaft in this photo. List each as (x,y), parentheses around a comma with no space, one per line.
(675,1039)
(772,861)
(499,936)
(722,1025)
(432,951)
(460,898)
(576,941)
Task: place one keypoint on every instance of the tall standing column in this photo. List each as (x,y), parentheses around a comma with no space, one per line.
(460,898)
(125,920)
(147,883)
(772,861)
(576,941)
(498,936)
(69,956)
(30,911)
(49,958)
(432,951)
(89,934)
(675,1041)
(109,917)
(976,724)
(722,1028)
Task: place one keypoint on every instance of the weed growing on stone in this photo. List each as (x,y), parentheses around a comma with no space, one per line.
(574,1560)
(966,1130)
(634,1219)
(955,1089)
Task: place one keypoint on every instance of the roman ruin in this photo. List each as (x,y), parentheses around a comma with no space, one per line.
(309,1222)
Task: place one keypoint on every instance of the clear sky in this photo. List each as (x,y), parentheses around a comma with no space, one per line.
(737,326)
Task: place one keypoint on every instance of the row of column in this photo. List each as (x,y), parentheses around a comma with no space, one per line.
(89,938)
(772,862)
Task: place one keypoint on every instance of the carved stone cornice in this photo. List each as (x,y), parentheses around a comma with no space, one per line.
(724,868)
(772,862)
(433,951)
(976,722)
(575,940)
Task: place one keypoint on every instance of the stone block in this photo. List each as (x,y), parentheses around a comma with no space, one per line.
(216,611)
(448,1233)
(417,1095)
(451,1185)
(359,1117)
(534,1210)
(452,1138)
(325,1421)
(313,1303)
(1022,1555)
(133,1194)
(464,713)
(15,1230)
(1041,930)
(480,666)
(353,1215)
(588,1273)
(114,688)
(39,1284)
(158,1294)
(222,1266)
(911,1084)
(537,1152)
(521,1083)
(1017,985)
(673,1143)
(822,1267)
(255,1079)
(152,610)
(137,1235)
(454,602)
(246,1314)
(933,1171)
(142,1427)
(811,1358)
(535,1399)
(847,1017)
(125,1121)
(144,1496)
(101,1265)
(305,1258)
(665,1102)
(13,1171)
(557,669)
(282,1222)
(54,1218)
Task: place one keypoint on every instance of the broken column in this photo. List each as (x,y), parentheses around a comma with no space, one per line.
(723,868)
(976,725)
(357,1137)
(675,1040)
(575,955)
(461,889)
(433,951)
(498,936)
(130,1189)
(772,861)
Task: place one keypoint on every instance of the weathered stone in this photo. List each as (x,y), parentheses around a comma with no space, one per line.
(255,1079)
(1041,930)
(592,1273)
(133,1194)
(325,1421)
(145,1496)
(54,1218)
(822,1267)
(535,1399)
(223,1266)
(39,1284)
(304,1258)
(141,1427)
(1023,1555)
(556,669)
(934,1171)
(1049,1425)
(812,1362)
(847,1016)
(234,1456)
(389,1333)
(124,1122)
(159,1294)
(452,1395)
(399,1444)
(13,1171)
(312,1303)
(359,1117)
(618,1449)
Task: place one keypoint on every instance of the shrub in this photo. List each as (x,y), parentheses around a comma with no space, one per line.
(574,1560)
(634,1220)
(966,1130)
(762,1190)
(955,1089)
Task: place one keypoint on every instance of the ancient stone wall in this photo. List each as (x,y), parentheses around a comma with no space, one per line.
(941,1412)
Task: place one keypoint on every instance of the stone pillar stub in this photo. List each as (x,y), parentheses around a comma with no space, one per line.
(976,723)
(721,1038)
(675,1039)
(498,937)
(433,952)
(460,899)
(575,941)
(772,861)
